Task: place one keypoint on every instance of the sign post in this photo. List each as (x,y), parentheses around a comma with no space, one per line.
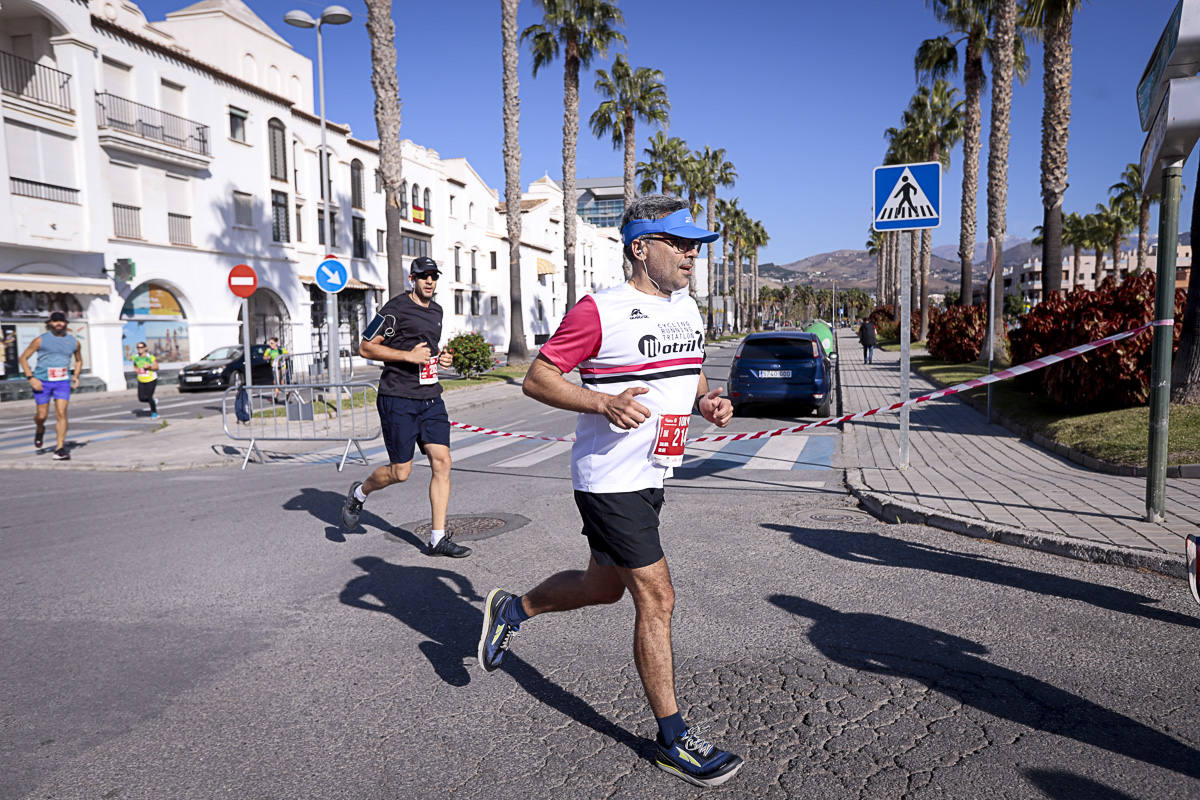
(907,197)
(332,277)
(1168,100)
(243,280)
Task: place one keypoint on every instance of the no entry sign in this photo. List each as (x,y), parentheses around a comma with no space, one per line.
(243,280)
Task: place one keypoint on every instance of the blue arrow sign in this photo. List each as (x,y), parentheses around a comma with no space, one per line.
(332,276)
(908,196)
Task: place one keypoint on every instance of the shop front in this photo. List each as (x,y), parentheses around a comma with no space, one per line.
(26,302)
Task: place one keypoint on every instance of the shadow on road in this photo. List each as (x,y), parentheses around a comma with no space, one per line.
(873,548)
(327,507)
(1060,785)
(436,603)
(953,666)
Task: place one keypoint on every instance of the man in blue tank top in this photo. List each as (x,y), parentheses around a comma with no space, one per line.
(50,380)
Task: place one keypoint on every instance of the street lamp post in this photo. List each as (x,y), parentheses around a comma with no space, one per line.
(333,15)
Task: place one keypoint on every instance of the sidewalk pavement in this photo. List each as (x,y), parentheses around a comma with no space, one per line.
(197,443)
(968,476)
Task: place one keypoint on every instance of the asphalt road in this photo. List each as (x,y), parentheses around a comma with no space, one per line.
(213,634)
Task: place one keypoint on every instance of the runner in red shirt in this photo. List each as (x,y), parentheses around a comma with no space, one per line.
(639,348)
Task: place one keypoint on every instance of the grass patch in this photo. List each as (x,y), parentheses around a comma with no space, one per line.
(508,374)
(1119,437)
(894,347)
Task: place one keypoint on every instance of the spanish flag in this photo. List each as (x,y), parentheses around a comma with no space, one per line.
(418,214)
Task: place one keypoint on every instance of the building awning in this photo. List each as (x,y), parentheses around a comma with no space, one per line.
(545,267)
(352,283)
(58,284)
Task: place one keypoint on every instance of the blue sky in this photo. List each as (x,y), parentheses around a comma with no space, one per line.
(798,93)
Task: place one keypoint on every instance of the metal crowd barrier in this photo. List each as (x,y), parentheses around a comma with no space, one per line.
(312,412)
(312,367)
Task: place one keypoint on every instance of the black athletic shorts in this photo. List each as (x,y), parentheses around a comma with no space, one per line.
(622,527)
(146,390)
(407,422)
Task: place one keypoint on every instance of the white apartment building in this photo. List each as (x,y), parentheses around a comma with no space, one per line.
(1025,281)
(189,145)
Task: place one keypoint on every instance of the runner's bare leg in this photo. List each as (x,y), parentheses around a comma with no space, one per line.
(439,483)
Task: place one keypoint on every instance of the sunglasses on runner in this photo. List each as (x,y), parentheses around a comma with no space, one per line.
(677,244)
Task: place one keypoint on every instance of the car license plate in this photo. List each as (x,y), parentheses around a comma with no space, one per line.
(192,378)
(774,373)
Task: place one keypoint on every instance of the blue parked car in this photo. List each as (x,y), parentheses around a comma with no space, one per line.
(784,367)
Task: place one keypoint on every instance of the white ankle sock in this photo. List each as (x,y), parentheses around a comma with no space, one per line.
(436,536)
(358,494)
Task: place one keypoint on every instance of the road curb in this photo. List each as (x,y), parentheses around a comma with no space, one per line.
(888,509)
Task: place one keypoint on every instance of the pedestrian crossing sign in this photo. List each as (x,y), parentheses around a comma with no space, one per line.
(908,196)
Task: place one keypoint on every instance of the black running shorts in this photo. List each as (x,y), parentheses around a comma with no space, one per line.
(622,527)
(407,422)
(146,390)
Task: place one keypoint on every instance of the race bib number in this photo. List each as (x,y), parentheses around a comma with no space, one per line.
(56,373)
(670,439)
(429,372)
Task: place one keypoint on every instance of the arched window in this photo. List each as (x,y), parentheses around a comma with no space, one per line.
(356,183)
(418,213)
(428,214)
(278,140)
(404,199)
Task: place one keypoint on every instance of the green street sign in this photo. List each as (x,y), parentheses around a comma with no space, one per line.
(1177,55)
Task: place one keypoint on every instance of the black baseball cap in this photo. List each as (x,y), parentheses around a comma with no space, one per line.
(58,316)
(424,265)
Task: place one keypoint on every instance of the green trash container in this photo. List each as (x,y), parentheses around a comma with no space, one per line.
(824,333)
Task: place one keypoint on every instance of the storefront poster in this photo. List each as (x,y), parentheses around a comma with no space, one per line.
(167,340)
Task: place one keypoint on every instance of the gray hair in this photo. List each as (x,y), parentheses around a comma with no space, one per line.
(653,206)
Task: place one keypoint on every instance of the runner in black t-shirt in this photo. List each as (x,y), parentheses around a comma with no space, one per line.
(404,335)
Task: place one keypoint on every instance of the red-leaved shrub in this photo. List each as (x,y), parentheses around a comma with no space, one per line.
(958,334)
(1115,376)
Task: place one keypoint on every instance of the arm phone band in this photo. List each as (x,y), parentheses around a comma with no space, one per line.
(381,325)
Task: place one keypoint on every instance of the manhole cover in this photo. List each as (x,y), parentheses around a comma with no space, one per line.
(835,517)
(469,528)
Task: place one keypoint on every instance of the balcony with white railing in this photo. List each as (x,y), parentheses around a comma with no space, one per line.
(29,80)
(140,128)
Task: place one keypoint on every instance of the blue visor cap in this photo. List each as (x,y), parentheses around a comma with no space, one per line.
(679,224)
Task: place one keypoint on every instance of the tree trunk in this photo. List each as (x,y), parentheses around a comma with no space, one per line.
(1185,372)
(517,348)
(1004,33)
(737,287)
(1056,122)
(1078,253)
(1144,234)
(1116,251)
(628,194)
(381,31)
(725,245)
(570,139)
(914,273)
(972,126)
(754,290)
(712,286)
(1051,245)
(926,257)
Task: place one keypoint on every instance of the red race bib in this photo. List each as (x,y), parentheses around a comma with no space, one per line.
(670,439)
(429,372)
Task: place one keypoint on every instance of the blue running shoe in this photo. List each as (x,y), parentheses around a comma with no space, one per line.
(497,634)
(697,761)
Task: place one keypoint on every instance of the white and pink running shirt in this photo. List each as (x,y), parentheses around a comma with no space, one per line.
(621,338)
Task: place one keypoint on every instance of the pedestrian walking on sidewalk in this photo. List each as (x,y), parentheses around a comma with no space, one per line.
(639,348)
(147,377)
(866,335)
(404,335)
(52,379)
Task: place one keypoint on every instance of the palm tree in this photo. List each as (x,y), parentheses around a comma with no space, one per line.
(1053,18)
(1008,58)
(1114,221)
(1074,234)
(969,20)
(739,230)
(381,31)
(584,29)
(517,350)
(1129,193)
(630,94)
(757,237)
(1095,236)
(934,120)
(663,165)
(904,146)
(727,211)
(713,172)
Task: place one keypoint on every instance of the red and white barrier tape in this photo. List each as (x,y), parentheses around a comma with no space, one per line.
(995,377)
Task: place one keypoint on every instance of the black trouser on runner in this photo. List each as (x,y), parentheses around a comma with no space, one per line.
(146,394)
